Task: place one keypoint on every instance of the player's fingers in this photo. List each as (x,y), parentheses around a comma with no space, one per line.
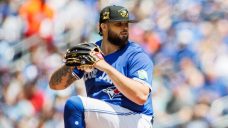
(86,68)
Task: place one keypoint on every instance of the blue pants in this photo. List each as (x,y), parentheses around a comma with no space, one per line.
(74,113)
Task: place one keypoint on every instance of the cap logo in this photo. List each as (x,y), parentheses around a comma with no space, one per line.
(106,15)
(123,12)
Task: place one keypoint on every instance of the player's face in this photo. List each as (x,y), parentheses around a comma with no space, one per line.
(118,33)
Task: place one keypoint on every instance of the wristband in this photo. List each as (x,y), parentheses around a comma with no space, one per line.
(77,73)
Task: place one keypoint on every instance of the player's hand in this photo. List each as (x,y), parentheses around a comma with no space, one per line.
(86,68)
(101,65)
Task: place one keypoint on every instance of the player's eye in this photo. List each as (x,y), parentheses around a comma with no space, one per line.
(118,24)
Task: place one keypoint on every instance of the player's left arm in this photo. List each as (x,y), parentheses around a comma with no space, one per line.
(134,87)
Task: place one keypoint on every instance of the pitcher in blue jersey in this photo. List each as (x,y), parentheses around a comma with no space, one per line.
(118,87)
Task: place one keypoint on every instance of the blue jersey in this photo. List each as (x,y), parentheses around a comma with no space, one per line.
(132,62)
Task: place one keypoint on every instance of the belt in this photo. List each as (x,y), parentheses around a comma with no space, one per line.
(149,118)
(152,120)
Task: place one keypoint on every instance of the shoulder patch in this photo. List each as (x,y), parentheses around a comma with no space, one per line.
(142,74)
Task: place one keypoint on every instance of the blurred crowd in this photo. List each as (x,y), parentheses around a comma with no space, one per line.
(186,39)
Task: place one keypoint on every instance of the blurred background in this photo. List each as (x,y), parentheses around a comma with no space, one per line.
(186,39)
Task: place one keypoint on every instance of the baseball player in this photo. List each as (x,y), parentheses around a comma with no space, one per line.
(117,75)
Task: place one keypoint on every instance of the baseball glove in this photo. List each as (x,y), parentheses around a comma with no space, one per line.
(84,54)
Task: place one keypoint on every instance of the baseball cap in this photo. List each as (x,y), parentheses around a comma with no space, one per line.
(115,13)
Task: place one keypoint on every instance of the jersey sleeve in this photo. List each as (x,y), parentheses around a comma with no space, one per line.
(140,68)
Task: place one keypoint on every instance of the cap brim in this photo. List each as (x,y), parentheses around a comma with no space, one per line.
(129,21)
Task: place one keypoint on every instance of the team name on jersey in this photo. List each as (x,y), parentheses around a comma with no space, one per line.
(105,77)
(91,75)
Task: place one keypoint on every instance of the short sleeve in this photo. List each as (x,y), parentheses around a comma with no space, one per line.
(140,68)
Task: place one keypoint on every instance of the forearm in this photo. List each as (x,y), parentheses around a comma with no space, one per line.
(133,90)
(62,78)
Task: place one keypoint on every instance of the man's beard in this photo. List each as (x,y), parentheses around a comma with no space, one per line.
(114,39)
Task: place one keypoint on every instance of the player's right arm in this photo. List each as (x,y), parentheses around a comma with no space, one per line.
(62,78)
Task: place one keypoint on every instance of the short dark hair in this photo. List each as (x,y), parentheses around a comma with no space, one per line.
(100,30)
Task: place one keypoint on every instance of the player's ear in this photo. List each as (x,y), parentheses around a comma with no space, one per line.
(104,27)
